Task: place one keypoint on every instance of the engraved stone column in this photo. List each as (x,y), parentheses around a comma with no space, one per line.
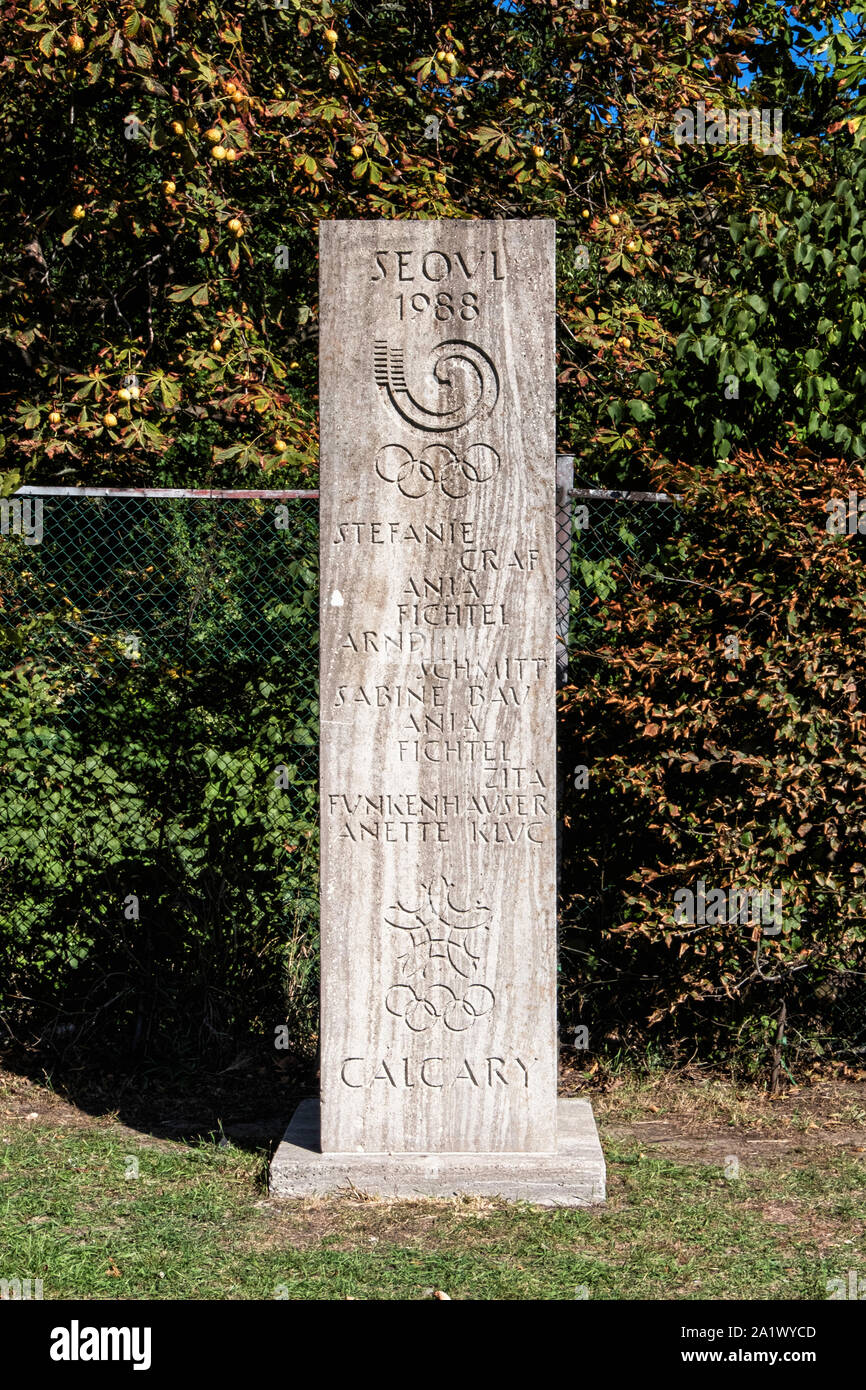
(438,734)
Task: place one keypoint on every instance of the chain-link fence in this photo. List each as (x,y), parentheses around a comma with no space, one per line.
(159,764)
(159,746)
(602,538)
(158,841)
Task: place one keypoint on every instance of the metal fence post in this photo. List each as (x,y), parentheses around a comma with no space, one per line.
(564,485)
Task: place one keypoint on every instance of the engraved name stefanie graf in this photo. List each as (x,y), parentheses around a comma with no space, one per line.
(459,598)
(474,555)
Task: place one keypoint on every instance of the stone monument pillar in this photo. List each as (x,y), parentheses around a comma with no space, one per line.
(438,732)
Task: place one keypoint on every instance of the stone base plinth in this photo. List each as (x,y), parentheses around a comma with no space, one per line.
(574,1176)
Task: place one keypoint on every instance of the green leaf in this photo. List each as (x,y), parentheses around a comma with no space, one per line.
(142,55)
(169,390)
(187,292)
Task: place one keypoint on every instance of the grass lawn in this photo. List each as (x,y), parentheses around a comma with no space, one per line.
(97,1210)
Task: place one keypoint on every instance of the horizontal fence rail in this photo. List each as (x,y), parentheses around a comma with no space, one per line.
(237,494)
(286,494)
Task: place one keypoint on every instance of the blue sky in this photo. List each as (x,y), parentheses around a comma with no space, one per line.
(801,58)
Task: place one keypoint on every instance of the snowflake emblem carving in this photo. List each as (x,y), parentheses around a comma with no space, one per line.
(438,930)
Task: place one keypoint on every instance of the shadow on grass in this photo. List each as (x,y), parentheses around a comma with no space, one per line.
(247,1103)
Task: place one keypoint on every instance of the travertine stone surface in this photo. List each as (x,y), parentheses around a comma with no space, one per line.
(572,1177)
(438,767)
